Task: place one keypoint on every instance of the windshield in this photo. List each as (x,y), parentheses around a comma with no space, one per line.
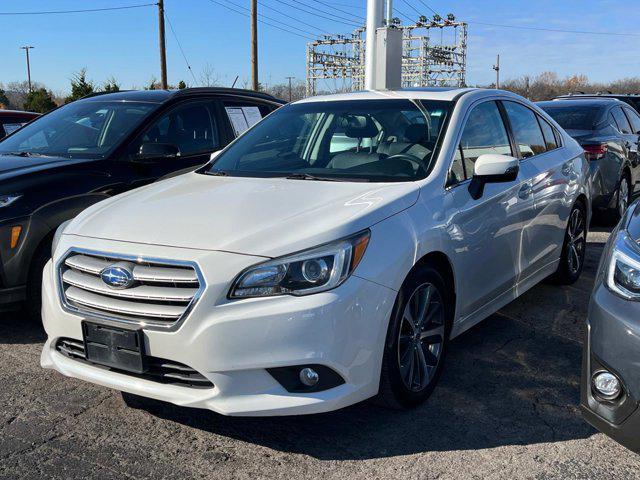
(575,117)
(358,140)
(86,129)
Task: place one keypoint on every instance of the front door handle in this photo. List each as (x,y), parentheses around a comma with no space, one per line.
(525,191)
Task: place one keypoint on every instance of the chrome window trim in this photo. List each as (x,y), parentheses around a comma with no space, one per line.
(145,325)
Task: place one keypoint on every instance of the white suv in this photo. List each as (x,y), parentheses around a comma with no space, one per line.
(327,255)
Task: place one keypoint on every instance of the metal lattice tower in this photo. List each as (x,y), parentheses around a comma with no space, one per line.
(434,54)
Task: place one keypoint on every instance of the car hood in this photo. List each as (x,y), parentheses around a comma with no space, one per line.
(11,165)
(257,216)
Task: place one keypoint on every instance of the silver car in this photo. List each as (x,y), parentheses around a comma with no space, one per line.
(611,360)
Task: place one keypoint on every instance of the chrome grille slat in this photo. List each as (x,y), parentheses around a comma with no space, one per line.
(99,302)
(141,273)
(161,295)
(143,292)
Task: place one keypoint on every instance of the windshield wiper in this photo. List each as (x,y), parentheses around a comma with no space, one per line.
(308,176)
(218,173)
(24,154)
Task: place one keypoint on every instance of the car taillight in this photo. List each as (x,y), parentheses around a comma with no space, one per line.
(595,152)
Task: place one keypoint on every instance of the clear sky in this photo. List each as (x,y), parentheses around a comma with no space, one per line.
(123,43)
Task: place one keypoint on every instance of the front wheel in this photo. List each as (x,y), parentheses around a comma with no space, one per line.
(574,248)
(416,341)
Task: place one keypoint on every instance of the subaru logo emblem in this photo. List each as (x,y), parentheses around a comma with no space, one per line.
(117,277)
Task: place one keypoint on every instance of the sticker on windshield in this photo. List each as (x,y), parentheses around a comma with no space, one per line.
(9,128)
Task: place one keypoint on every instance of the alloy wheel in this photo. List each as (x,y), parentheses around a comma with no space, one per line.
(623,196)
(576,241)
(421,337)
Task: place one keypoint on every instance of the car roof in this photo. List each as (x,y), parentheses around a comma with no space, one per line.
(19,113)
(569,102)
(427,93)
(600,95)
(161,96)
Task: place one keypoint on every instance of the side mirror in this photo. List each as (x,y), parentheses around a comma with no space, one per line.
(492,168)
(158,150)
(214,155)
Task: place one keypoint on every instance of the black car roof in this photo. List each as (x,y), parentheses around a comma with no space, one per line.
(600,95)
(593,102)
(161,96)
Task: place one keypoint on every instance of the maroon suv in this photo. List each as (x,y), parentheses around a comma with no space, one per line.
(11,120)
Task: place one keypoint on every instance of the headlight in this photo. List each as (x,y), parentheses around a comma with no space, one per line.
(623,276)
(58,235)
(6,200)
(311,271)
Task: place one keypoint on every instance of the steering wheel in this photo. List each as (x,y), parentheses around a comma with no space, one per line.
(418,162)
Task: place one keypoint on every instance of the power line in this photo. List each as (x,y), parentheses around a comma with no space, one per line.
(315,11)
(180,47)
(272,19)
(292,18)
(350,23)
(360,18)
(261,21)
(54,12)
(557,30)
(412,7)
(431,9)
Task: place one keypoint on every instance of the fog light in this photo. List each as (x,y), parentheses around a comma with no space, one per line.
(606,385)
(309,377)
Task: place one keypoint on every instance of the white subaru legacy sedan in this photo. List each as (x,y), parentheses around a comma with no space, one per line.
(327,256)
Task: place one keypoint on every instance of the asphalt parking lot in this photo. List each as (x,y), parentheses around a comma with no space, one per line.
(506,407)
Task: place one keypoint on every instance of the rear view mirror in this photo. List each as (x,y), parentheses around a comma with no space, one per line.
(158,150)
(492,168)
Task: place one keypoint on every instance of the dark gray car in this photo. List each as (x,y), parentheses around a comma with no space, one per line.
(608,130)
(611,360)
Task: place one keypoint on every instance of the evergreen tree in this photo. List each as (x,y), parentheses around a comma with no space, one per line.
(80,86)
(39,101)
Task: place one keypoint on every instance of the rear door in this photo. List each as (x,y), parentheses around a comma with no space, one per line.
(546,174)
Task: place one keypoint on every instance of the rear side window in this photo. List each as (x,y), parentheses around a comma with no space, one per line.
(549,135)
(621,120)
(526,129)
(634,119)
(484,133)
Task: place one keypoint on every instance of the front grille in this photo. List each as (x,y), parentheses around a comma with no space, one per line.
(159,370)
(160,295)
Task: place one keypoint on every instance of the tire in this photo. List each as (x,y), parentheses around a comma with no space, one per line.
(401,384)
(622,197)
(574,247)
(33,304)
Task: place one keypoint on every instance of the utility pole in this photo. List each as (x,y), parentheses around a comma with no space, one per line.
(254,45)
(163,49)
(290,89)
(374,21)
(496,67)
(26,49)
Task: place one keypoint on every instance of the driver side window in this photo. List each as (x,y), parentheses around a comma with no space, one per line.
(483,133)
(189,128)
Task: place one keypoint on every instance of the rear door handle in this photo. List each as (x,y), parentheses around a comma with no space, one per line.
(525,191)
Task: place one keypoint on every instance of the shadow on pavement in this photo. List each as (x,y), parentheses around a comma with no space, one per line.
(17,328)
(512,380)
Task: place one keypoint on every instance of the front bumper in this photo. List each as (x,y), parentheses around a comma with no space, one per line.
(613,343)
(233,343)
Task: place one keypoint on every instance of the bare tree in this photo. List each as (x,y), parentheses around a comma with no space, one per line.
(209,77)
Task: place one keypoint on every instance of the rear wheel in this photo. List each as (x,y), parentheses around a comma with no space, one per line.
(416,341)
(574,248)
(622,197)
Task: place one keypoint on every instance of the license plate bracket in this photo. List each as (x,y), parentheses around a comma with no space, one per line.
(116,347)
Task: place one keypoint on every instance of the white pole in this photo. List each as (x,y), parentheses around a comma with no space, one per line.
(389,12)
(374,21)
